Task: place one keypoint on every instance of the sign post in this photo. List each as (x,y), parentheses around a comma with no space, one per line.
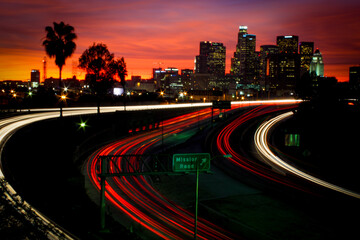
(192,162)
(196,200)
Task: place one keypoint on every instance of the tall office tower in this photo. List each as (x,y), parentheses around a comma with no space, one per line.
(35,78)
(288,62)
(187,79)
(201,65)
(354,77)
(288,44)
(306,54)
(317,64)
(268,62)
(211,59)
(244,63)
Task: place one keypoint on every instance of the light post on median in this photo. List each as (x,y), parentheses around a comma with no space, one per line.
(62,100)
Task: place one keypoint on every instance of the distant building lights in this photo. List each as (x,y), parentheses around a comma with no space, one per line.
(118,91)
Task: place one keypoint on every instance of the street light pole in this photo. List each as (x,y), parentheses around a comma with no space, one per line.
(62,100)
(196,199)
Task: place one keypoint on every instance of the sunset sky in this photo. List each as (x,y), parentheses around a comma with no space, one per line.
(155,33)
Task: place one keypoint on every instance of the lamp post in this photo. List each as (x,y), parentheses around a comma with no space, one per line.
(62,100)
(30,94)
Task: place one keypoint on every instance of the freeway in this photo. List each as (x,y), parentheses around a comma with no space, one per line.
(8,126)
(274,169)
(238,159)
(135,196)
(261,142)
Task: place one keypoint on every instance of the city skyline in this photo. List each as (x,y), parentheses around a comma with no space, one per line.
(149,34)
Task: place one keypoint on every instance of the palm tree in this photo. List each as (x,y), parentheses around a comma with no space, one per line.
(121,71)
(59,43)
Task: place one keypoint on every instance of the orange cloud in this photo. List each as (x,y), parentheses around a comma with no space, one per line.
(147,32)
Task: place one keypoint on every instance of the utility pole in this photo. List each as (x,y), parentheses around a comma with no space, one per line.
(44,67)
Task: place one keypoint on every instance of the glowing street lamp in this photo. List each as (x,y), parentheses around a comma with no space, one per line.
(62,100)
(82,125)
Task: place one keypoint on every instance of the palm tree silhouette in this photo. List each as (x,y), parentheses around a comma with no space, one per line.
(59,43)
(119,66)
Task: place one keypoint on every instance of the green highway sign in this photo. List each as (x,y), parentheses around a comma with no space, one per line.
(221,104)
(187,162)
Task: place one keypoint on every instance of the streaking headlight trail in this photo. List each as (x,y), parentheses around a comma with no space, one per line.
(10,125)
(261,143)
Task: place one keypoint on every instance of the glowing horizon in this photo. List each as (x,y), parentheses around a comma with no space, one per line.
(149,34)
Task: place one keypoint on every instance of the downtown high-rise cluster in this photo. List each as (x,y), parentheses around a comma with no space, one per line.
(273,68)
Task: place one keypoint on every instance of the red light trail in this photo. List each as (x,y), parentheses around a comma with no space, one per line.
(224,147)
(137,198)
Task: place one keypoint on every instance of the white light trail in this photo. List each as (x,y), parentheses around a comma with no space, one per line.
(9,125)
(261,143)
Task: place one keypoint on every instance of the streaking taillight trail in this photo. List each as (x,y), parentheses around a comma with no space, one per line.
(136,197)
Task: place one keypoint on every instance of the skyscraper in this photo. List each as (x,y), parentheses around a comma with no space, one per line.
(243,64)
(306,54)
(211,59)
(35,78)
(268,61)
(317,64)
(288,44)
(288,61)
(354,77)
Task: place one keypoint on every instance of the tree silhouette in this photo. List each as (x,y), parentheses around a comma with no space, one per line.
(102,68)
(59,43)
(97,61)
(119,67)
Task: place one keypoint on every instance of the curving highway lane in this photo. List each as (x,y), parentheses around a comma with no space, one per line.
(261,143)
(135,197)
(9,125)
